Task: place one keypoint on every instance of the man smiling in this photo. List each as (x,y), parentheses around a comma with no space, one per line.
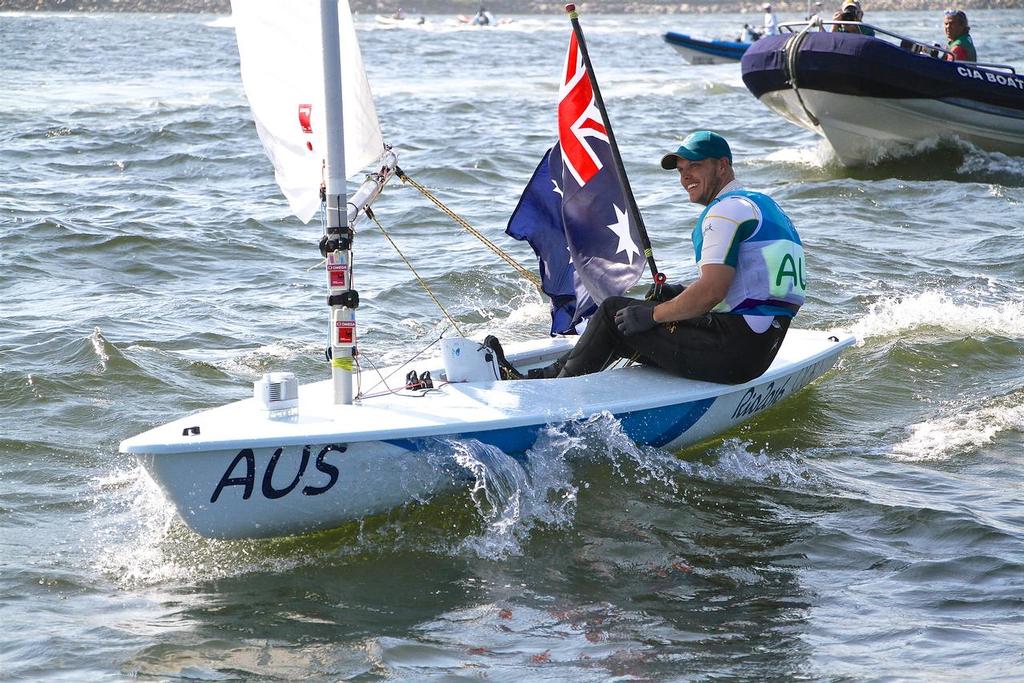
(729,323)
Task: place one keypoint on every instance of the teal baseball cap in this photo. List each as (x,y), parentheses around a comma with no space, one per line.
(698,145)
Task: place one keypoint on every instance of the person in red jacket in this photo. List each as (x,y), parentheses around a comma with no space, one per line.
(959,34)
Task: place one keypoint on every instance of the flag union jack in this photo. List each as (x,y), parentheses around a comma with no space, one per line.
(570,210)
(579,118)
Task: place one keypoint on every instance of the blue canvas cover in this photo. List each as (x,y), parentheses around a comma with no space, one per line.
(854,64)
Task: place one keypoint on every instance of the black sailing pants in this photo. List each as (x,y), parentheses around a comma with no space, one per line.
(715,347)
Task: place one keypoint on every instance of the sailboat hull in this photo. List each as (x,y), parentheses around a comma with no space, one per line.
(286,490)
(863,129)
(238,472)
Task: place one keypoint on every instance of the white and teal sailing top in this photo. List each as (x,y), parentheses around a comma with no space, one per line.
(748,231)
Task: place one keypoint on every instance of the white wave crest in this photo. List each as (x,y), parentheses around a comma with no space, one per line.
(977,161)
(252,363)
(130,499)
(98,343)
(737,463)
(819,155)
(512,498)
(139,540)
(961,433)
(894,316)
(222,22)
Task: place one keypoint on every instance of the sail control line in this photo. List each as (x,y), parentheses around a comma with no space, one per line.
(336,249)
(423,283)
(462,222)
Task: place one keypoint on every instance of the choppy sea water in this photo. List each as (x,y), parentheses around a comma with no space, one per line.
(870,528)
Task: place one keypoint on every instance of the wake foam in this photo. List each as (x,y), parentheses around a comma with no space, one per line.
(992,166)
(736,463)
(817,156)
(139,540)
(512,498)
(252,363)
(963,432)
(938,158)
(222,22)
(895,316)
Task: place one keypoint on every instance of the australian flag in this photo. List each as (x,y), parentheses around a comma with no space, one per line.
(573,211)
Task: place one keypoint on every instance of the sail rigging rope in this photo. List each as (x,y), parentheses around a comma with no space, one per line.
(423,284)
(522,270)
(383,379)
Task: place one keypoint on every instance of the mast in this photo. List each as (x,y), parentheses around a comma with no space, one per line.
(337,243)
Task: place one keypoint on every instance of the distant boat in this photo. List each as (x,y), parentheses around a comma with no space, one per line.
(696,51)
(867,95)
(393,20)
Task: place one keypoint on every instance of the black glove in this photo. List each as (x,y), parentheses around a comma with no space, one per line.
(668,292)
(636,318)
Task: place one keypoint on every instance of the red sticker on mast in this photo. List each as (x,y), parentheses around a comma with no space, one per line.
(346,331)
(336,274)
(305,117)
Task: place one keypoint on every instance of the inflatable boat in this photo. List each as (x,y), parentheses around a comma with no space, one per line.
(868,95)
(696,51)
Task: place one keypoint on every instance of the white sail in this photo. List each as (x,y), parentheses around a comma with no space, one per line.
(282,71)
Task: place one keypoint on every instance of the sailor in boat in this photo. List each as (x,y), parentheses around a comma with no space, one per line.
(728,324)
(959,35)
(748,34)
(482,18)
(851,11)
(771,24)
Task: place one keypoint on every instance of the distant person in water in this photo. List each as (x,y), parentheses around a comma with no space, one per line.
(959,35)
(771,24)
(728,324)
(851,11)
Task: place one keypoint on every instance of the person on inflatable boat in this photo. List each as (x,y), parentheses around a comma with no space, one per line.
(729,323)
(851,11)
(959,35)
(771,24)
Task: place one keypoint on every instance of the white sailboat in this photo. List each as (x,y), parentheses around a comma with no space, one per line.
(295,459)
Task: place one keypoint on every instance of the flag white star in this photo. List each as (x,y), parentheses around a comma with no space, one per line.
(621,229)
